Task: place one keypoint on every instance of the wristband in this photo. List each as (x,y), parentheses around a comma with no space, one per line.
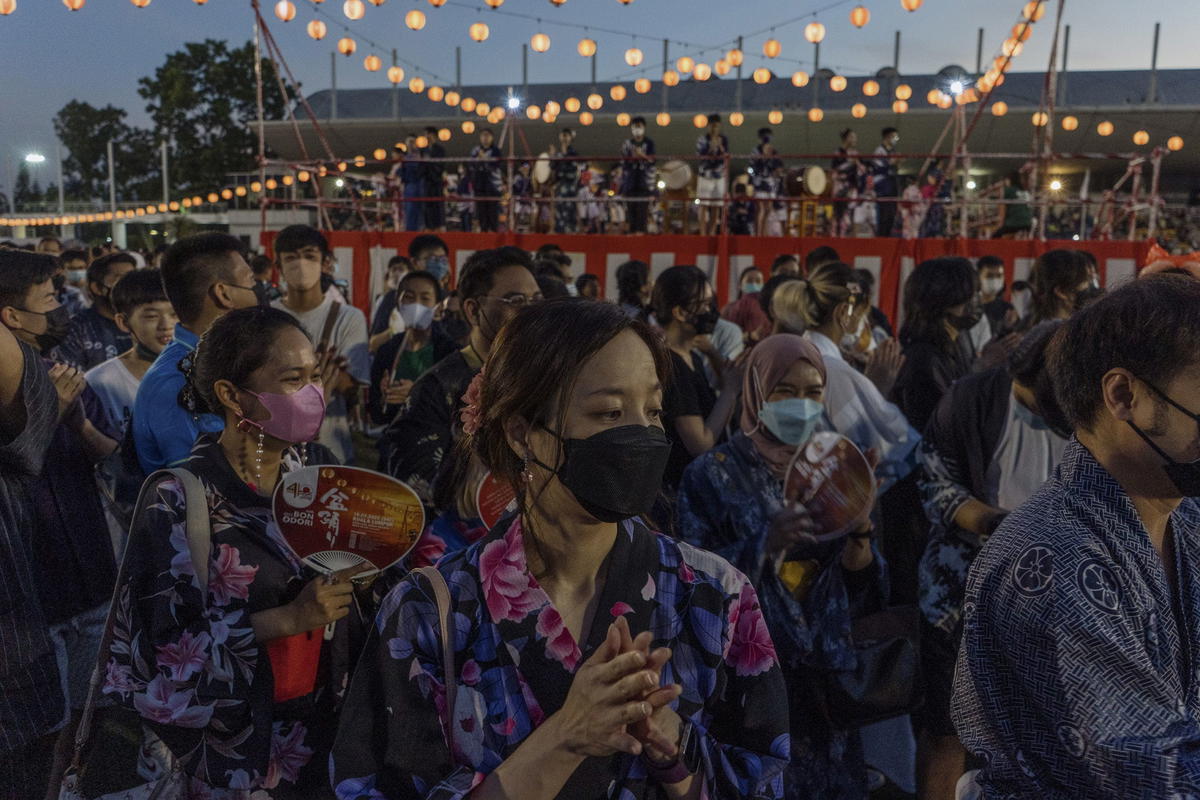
(685,763)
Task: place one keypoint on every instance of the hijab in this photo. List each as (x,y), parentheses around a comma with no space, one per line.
(769,361)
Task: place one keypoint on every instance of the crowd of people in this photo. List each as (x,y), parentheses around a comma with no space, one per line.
(652,617)
(626,193)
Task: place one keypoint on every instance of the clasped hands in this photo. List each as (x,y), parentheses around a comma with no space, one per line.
(616,703)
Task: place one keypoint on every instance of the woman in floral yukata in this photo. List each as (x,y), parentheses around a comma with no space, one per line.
(194,664)
(731,501)
(593,658)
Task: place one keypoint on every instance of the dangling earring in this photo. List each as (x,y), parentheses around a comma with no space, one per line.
(526,473)
(258,454)
(245,425)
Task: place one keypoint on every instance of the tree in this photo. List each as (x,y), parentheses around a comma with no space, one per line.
(84,132)
(202,100)
(22,191)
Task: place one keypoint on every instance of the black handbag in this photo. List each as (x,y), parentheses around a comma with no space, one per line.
(886,682)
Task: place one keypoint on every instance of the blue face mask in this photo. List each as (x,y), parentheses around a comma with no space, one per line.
(438,266)
(791,421)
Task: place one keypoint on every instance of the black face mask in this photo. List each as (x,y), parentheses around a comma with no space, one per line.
(455,327)
(1185,477)
(706,321)
(1087,297)
(615,474)
(58,323)
(968,319)
(262,293)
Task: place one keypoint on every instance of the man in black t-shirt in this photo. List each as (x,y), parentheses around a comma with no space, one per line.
(637,174)
(1000,313)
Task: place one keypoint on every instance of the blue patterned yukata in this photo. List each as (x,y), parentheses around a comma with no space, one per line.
(1076,677)
(516,660)
(726,502)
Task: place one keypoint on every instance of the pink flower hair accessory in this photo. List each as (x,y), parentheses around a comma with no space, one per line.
(471,415)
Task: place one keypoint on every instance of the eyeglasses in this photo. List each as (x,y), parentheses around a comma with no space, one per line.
(518,300)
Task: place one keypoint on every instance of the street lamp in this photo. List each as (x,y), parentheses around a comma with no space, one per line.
(38,158)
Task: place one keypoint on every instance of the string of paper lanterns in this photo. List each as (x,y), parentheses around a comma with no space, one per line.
(814,32)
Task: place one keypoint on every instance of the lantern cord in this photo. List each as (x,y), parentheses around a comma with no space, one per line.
(258,103)
(699,48)
(277,58)
(1043,137)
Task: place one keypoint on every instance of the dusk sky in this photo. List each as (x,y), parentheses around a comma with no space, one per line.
(52,55)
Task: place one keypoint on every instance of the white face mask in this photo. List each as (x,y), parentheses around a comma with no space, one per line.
(1021,302)
(992,286)
(416,315)
(852,341)
(637,132)
(305,273)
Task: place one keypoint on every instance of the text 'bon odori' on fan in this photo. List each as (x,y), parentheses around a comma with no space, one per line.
(339,517)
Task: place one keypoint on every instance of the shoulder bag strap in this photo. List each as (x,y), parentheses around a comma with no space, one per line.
(441,593)
(327,329)
(199,533)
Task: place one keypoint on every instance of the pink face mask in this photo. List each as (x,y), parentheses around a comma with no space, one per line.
(294,417)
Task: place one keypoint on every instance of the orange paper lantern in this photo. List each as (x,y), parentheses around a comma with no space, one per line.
(586,47)
(539,43)
(479,32)
(317,29)
(814,32)
(634,56)
(772,48)
(859,16)
(415,19)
